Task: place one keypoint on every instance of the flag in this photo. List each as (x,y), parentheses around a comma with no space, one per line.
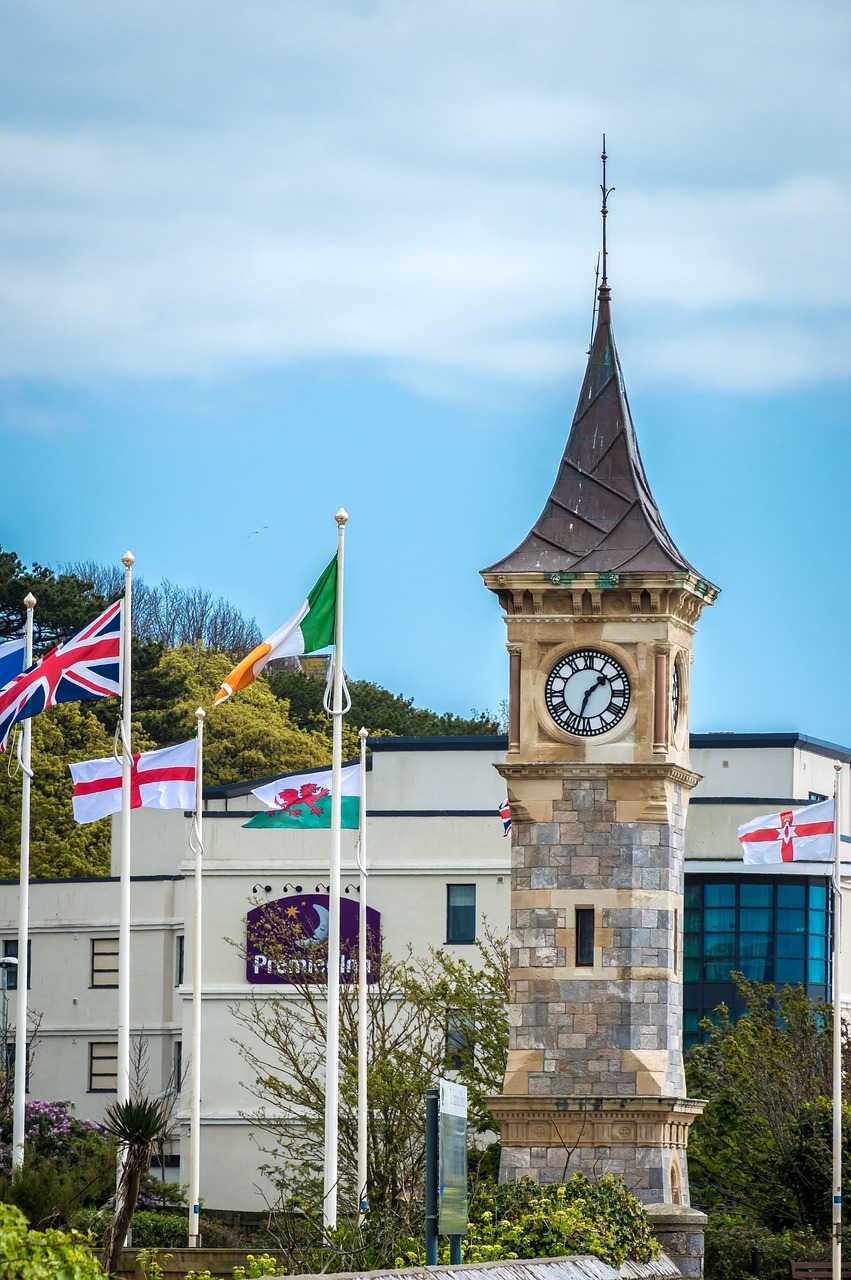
(11,660)
(158,780)
(798,835)
(88,665)
(304,800)
(505,813)
(311,627)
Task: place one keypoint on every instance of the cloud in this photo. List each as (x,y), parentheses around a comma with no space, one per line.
(198,190)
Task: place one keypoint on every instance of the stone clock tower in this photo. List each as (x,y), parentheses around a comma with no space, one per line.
(600,609)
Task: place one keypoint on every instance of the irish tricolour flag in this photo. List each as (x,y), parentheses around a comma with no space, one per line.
(310,628)
(304,800)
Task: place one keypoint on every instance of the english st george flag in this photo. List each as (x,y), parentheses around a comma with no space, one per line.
(796,835)
(158,780)
(310,628)
(88,665)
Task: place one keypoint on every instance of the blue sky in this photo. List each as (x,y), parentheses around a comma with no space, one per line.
(258,261)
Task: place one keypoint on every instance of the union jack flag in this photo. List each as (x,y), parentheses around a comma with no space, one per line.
(86,666)
(505,814)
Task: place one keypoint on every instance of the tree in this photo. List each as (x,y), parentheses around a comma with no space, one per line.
(762,1147)
(374,707)
(409,1004)
(173,615)
(64,602)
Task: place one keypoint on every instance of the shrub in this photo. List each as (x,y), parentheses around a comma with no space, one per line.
(729,1241)
(37,1255)
(527,1220)
(157,1229)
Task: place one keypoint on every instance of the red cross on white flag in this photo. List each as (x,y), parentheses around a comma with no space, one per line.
(798,835)
(158,780)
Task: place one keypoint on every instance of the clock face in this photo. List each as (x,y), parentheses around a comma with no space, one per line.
(587,693)
(675,695)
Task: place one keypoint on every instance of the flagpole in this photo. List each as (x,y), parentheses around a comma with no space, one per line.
(836,1235)
(123,1065)
(332,1040)
(19,1104)
(195,1098)
(363,734)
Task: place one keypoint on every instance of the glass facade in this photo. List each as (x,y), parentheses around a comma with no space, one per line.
(769,929)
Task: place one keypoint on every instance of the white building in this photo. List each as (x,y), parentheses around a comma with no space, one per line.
(439,866)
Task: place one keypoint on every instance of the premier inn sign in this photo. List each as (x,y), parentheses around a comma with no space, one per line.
(287,941)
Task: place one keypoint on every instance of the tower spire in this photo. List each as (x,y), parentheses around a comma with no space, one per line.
(607,191)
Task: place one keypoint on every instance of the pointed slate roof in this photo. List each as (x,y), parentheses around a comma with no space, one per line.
(600,516)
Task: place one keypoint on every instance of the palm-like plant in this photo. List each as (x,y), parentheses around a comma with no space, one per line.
(139,1126)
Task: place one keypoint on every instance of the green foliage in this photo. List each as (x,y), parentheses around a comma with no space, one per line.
(148,1261)
(729,1241)
(374,707)
(64,602)
(260,1265)
(42,1255)
(761,1149)
(407,1053)
(158,1229)
(68,1164)
(527,1220)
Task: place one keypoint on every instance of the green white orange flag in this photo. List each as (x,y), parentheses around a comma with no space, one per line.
(304,800)
(310,628)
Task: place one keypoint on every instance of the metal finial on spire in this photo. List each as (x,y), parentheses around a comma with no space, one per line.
(607,191)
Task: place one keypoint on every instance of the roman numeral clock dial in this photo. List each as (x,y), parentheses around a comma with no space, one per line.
(587,693)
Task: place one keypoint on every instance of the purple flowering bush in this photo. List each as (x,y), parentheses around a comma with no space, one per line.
(69,1164)
(50,1133)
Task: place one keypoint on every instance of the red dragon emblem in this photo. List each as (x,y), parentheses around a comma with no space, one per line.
(305,794)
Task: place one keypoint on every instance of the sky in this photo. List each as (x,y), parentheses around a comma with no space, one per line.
(261,260)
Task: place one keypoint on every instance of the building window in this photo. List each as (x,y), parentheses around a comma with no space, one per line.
(10,1056)
(103,1068)
(460,1030)
(585,936)
(10,948)
(771,930)
(179,952)
(460,913)
(177,1067)
(104,962)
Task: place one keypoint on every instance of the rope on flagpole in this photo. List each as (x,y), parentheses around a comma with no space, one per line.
(327,697)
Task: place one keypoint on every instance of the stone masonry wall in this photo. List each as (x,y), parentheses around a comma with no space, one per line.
(615,1028)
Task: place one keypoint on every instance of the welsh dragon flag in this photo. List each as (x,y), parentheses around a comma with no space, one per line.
(310,628)
(304,800)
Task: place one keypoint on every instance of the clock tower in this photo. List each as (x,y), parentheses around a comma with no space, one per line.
(600,608)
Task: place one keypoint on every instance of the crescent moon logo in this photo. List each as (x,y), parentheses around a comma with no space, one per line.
(320,932)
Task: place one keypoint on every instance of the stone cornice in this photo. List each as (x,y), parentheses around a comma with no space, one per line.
(584,772)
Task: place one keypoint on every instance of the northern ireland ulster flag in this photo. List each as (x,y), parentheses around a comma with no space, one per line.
(158,780)
(798,835)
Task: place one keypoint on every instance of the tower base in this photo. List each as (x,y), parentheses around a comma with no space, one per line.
(641,1138)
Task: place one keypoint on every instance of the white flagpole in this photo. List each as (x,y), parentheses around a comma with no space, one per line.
(836,1239)
(195,1099)
(19,1104)
(332,1041)
(362,1006)
(123,1066)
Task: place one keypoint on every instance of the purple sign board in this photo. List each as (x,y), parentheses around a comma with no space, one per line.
(287,941)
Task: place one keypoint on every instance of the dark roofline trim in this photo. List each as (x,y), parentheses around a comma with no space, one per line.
(739,741)
(446,742)
(91,879)
(783,802)
(370,813)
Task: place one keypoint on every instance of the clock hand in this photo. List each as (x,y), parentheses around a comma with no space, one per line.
(601,680)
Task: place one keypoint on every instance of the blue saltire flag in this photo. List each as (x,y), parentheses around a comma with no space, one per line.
(11,660)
